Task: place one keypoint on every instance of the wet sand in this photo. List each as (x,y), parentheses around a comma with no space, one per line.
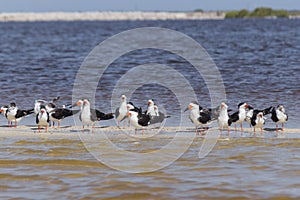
(32,130)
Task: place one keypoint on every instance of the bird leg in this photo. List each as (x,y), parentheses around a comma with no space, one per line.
(282,127)
(58,124)
(242,127)
(124,124)
(261,131)
(234,127)
(201,131)
(39,128)
(15,123)
(276,127)
(254,133)
(93,127)
(228,133)
(118,124)
(46,129)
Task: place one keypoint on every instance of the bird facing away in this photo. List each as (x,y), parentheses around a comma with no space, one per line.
(279,116)
(258,121)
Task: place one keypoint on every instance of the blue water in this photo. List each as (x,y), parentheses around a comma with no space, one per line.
(258,60)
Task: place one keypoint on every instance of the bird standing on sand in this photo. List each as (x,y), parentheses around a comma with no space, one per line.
(198,115)
(223,120)
(279,116)
(139,120)
(150,109)
(14,114)
(258,121)
(239,116)
(89,116)
(121,111)
(159,117)
(42,118)
(59,114)
(251,110)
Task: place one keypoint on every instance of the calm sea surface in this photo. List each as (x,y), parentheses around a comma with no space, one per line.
(259,63)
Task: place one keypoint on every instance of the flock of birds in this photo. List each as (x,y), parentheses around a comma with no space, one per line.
(47,112)
(255,117)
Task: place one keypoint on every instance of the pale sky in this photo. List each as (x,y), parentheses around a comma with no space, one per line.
(141,5)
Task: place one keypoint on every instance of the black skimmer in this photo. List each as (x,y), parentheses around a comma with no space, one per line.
(279,116)
(258,121)
(89,116)
(150,109)
(251,110)
(199,116)
(239,116)
(132,107)
(59,114)
(159,117)
(14,114)
(42,118)
(121,111)
(224,120)
(138,120)
(156,116)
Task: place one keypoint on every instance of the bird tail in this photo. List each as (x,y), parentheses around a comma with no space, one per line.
(30,111)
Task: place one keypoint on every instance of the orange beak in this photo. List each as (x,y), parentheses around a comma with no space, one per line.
(128,114)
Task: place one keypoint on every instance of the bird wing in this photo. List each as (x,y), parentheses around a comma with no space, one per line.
(94,115)
(144,120)
(204,117)
(274,115)
(20,113)
(234,117)
(117,112)
(102,116)
(37,118)
(267,111)
(48,119)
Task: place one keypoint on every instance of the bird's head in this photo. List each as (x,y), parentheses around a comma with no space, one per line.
(223,105)
(150,102)
(123,98)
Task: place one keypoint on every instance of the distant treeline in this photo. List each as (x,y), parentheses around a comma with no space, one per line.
(258,12)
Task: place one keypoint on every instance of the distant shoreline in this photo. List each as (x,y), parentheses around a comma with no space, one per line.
(108,16)
(117,16)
